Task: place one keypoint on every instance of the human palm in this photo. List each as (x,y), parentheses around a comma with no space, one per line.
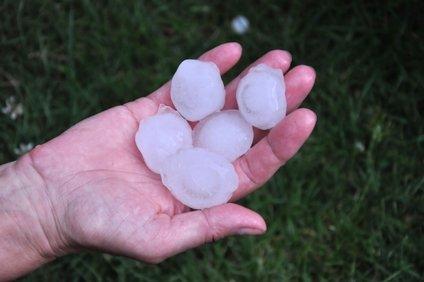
(104,197)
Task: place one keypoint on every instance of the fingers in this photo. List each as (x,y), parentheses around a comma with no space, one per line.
(192,229)
(225,56)
(276,58)
(299,82)
(272,151)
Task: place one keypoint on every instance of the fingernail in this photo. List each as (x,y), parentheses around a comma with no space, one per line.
(250,231)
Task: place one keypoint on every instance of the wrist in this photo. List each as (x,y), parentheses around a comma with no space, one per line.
(29,236)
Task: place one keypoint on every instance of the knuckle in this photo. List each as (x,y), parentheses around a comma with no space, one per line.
(209,230)
(248,172)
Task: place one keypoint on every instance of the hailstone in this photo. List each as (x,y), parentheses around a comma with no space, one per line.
(162,135)
(261,96)
(225,133)
(240,24)
(199,178)
(197,89)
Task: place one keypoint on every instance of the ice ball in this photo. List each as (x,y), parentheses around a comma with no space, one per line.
(225,133)
(162,135)
(197,89)
(240,24)
(261,96)
(199,178)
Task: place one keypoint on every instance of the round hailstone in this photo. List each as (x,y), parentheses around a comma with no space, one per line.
(197,89)
(161,136)
(261,96)
(240,24)
(199,178)
(225,133)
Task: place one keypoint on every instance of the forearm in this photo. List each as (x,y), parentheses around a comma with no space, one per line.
(24,242)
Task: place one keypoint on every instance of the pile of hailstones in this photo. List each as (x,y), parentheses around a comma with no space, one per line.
(196,164)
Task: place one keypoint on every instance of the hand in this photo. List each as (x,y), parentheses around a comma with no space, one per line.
(99,194)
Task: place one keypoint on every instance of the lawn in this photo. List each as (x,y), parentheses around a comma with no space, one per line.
(349,206)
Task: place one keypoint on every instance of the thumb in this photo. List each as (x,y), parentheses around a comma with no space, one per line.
(191,229)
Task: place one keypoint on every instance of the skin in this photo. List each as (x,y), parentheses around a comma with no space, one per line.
(90,189)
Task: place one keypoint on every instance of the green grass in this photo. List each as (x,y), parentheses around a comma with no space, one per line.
(349,206)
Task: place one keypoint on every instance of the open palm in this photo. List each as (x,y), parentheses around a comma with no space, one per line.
(104,197)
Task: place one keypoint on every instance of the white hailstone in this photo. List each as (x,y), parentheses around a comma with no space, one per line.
(162,135)
(225,133)
(199,178)
(240,24)
(197,89)
(261,96)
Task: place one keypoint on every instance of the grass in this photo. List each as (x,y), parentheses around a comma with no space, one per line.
(349,206)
